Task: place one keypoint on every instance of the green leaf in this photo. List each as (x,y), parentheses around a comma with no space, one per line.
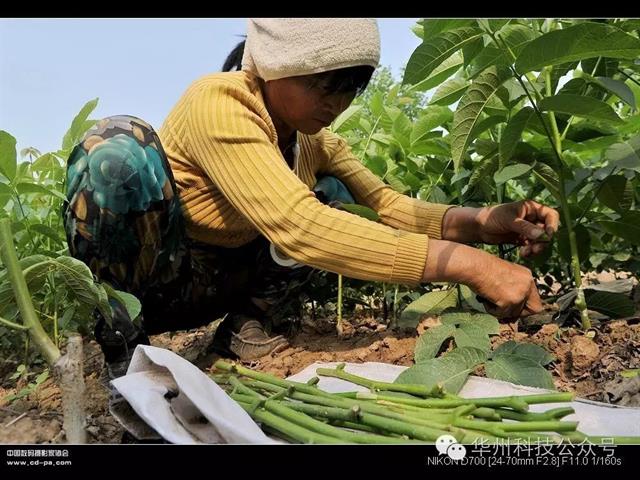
(467,329)
(130,302)
(596,145)
(471,50)
(437,195)
(531,351)
(79,280)
(377,164)
(66,318)
(449,92)
(396,183)
(515,36)
(549,179)
(430,303)
(47,231)
(376,104)
(24,263)
(469,297)
(600,66)
(79,125)
(519,370)
(445,70)
(470,108)
(626,227)
(435,50)
(5,195)
(431,118)
(615,194)
(580,106)
(487,322)
(625,154)
(26,188)
(8,156)
(434,26)
(557,72)
(402,130)
(512,133)
(483,170)
(510,172)
(35,270)
(618,88)
(361,211)
(46,162)
(418,30)
(347,120)
(486,124)
(431,147)
(102,302)
(450,371)
(472,335)
(585,40)
(429,343)
(42,377)
(583,240)
(614,305)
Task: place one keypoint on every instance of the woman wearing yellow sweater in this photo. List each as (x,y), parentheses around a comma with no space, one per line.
(227,211)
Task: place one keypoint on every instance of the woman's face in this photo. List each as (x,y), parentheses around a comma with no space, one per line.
(304,104)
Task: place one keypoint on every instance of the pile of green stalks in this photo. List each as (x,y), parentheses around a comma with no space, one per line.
(392,413)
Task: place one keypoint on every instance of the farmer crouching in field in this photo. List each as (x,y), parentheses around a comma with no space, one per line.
(218,215)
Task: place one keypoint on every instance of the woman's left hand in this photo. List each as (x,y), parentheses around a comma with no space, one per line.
(522,223)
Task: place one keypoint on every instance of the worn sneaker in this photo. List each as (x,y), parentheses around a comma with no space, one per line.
(245,337)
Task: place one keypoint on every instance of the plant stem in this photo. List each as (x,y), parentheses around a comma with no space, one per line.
(501,428)
(15,326)
(573,244)
(299,413)
(396,423)
(419,390)
(377,416)
(339,326)
(395,306)
(553,414)
(511,402)
(556,142)
(289,429)
(23,298)
(70,372)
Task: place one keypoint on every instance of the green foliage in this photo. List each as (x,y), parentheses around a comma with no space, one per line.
(62,288)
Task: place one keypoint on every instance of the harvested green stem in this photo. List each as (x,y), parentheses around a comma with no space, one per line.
(346,403)
(553,414)
(487,413)
(289,429)
(306,421)
(544,426)
(264,377)
(512,402)
(419,390)
(289,411)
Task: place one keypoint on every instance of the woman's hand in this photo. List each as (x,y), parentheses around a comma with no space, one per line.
(508,290)
(522,223)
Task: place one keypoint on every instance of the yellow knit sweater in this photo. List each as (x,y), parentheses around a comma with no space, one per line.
(235,184)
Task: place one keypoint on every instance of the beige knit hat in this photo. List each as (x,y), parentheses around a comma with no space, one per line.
(289,47)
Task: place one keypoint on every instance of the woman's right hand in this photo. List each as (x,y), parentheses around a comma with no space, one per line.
(508,290)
